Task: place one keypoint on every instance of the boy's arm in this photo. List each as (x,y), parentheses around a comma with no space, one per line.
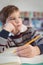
(3,40)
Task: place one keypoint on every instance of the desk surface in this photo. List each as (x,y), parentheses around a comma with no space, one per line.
(9,57)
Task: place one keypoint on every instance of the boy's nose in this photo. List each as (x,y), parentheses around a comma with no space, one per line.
(17,21)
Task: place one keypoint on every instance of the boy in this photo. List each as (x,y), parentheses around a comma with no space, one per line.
(15,34)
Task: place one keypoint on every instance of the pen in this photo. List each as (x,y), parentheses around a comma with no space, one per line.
(30,42)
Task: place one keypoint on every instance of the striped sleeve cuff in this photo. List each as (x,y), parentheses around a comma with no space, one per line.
(41,48)
(4,34)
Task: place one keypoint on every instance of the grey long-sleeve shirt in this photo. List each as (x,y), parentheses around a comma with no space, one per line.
(20,39)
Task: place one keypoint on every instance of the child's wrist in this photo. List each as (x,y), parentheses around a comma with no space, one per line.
(7,29)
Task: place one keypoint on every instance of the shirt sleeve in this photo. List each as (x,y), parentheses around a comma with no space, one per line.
(3,40)
(4,34)
(41,48)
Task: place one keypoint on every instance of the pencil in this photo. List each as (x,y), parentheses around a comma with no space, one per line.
(34,39)
(30,42)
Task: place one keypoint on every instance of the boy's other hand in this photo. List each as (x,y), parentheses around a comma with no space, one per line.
(8,27)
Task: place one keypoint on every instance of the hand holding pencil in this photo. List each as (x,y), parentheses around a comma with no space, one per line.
(30,42)
(27,50)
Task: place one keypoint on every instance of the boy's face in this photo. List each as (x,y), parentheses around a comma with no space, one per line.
(15,17)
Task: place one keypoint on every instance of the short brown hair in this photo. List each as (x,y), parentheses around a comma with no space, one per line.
(6,11)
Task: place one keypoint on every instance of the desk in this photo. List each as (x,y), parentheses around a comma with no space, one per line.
(8,58)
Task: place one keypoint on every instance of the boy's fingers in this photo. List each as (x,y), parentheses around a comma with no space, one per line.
(24,50)
(21,48)
(21,52)
(24,53)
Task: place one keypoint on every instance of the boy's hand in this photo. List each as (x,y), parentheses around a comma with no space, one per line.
(28,51)
(10,26)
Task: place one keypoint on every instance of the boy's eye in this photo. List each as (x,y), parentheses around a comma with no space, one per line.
(20,17)
(12,19)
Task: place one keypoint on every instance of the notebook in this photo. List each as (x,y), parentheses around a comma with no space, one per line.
(9,58)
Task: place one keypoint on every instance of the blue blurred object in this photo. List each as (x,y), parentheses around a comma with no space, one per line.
(0,25)
(38,24)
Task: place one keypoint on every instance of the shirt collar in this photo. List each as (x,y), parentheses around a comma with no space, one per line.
(23,28)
